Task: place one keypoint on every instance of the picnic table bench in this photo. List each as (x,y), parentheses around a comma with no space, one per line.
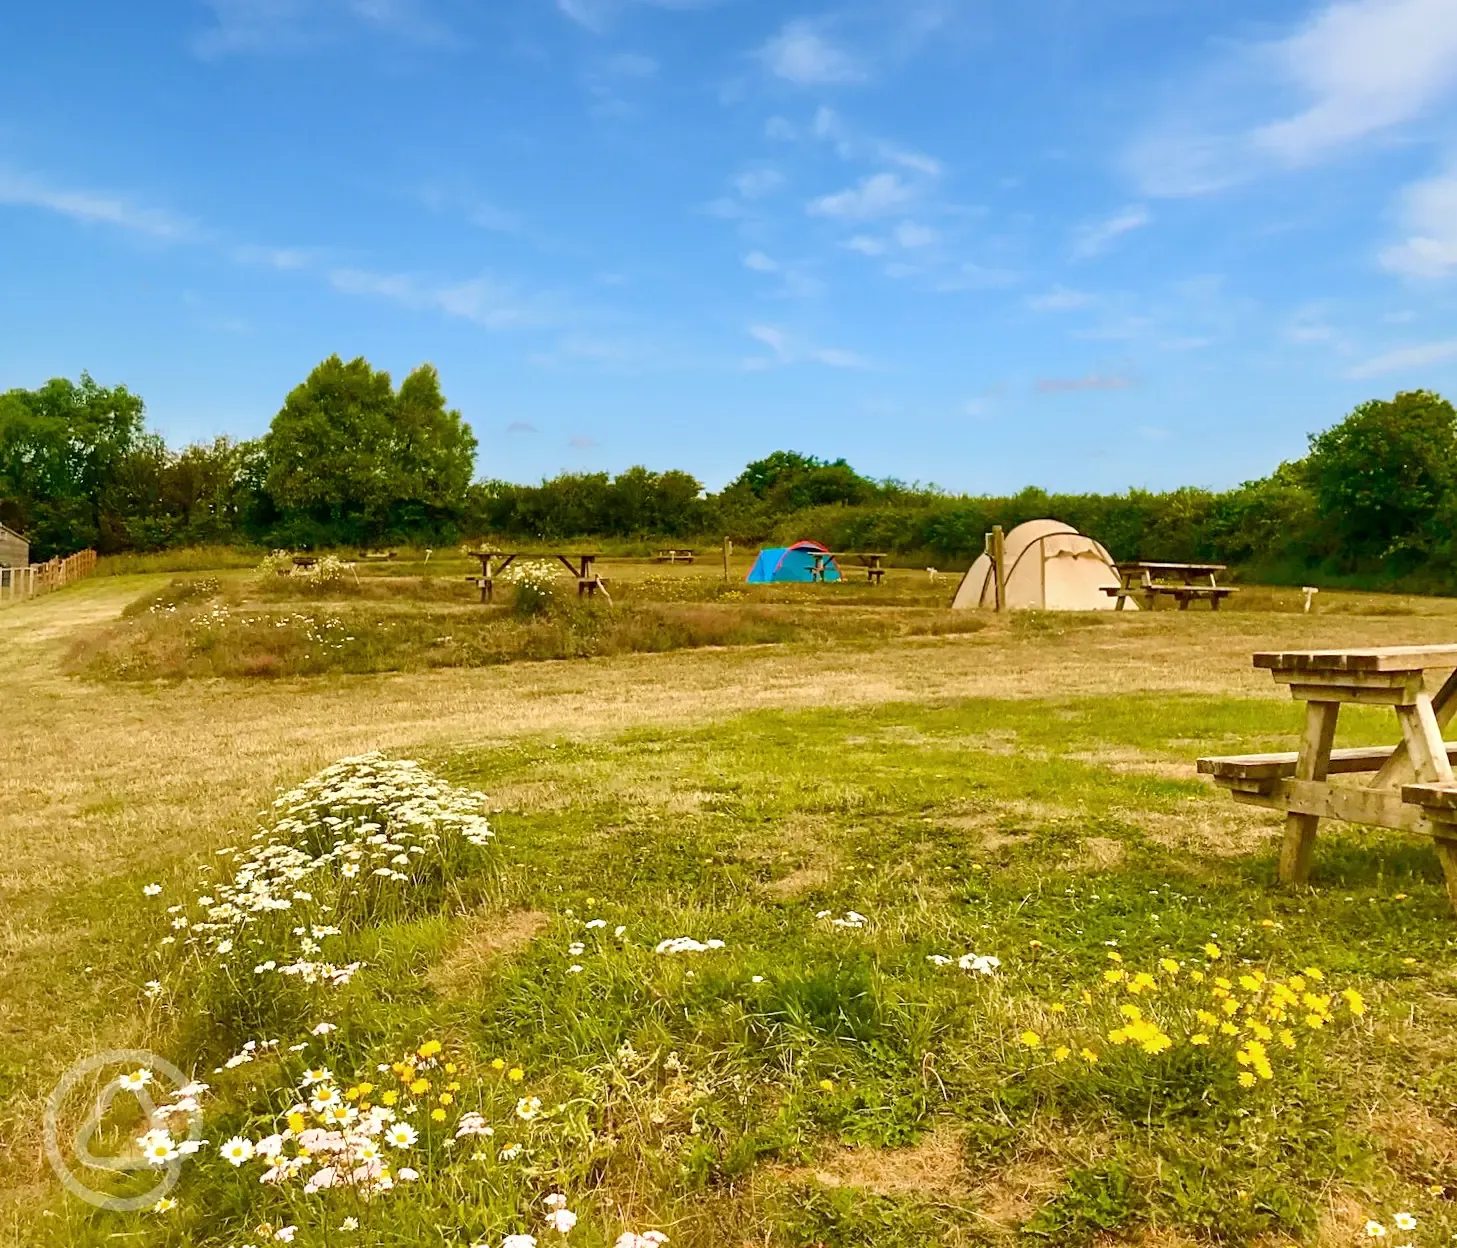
(1184,582)
(494,562)
(871,561)
(1412,787)
(673,556)
(375,556)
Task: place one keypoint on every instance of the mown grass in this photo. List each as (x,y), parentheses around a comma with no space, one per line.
(272,626)
(810,1083)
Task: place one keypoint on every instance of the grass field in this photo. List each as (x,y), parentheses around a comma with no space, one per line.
(851,812)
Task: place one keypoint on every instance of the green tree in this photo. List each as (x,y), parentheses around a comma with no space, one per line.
(349,459)
(1381,476)
(64,451)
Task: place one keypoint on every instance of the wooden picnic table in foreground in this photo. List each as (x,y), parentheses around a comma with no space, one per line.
(1411,788)
(871,561)
(494,562)
(1184,582)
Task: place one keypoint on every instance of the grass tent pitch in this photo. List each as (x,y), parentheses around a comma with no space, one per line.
(791,563)
(1050,567)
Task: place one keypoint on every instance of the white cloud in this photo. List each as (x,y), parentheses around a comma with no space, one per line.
(285,259)
(756,183)
(1404,359)
(1059,299)
(800,54)
(1429,211)
(760,263)
(1368,65)
(867,246)
(1362,67)
(1096,237)
(781,129)
(785,350)
(917,161)
(479,300)
(91,207)
(909,234)
(592,14)
(874,196)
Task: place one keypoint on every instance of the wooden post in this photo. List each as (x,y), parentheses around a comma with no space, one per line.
(999,561)
(1312,764)
(728,550)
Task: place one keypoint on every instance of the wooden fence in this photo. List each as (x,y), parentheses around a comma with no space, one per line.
(39,578)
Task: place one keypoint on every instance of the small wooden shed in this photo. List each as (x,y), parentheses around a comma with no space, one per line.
(14,549)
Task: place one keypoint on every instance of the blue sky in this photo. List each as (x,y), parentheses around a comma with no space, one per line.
(1085,244)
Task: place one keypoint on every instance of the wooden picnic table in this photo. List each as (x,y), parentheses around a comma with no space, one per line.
(1184,582)
(871,561)
(1411,786)
(494,562)
(673,555)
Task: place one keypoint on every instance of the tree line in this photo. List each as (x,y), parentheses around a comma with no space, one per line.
(351,459)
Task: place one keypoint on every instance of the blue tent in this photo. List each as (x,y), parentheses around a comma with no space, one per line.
(791,563)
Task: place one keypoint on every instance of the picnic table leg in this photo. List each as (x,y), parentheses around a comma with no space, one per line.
(1312,764)
(1422,735)
(1398,770)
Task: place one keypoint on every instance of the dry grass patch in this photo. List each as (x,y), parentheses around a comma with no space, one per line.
(933,1166)
(1420,1144)
(1012,1193)
(484,940)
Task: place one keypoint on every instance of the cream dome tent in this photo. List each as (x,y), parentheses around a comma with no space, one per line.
(1050,566)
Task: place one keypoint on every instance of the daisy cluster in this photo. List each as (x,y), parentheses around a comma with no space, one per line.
(404,1122)
(362,840)
(163,1141)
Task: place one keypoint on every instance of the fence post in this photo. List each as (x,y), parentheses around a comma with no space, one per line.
(999,565)
(728,550)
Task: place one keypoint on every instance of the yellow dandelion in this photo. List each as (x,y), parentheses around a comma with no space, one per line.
(429,1049)
(1213,952)
(1114,976)
(1227,1028)
(1315,973)
(1246,1080)
(1130,1011)
(296,1122)
(420,1086)
(1169,965)
(450,1068)
(1087,998)
(1286,1037)
(497,1064)
(1031,1039)
(827,1085)
(1114,956)
(1315,1021)
(1088,1055)
(1061,1053)
(389,1098)
(1057,1008)
(1199,1038)
(516,1074)
(446,1098)
(1197,976)
(1354,1002)
(437,1115)
(1205,1017)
